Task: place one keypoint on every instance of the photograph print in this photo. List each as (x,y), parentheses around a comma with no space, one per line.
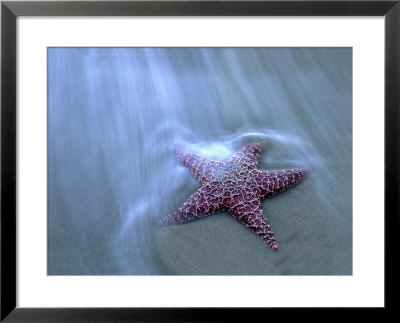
(199,161)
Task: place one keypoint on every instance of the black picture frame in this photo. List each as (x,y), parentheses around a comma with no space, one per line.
(10,10)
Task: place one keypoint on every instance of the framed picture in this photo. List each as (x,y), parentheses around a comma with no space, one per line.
(144,144)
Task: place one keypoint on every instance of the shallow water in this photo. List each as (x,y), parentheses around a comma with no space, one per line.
(114,115)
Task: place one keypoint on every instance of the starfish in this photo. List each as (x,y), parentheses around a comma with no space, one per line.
(236,186)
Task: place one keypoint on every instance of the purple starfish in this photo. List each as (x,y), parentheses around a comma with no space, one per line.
(236,186)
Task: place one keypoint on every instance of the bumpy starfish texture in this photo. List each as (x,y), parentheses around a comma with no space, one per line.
(236,186)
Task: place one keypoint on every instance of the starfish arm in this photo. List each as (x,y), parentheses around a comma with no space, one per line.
(250,214)
(270,182)
(202,203)
(201,167)
(248,155)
